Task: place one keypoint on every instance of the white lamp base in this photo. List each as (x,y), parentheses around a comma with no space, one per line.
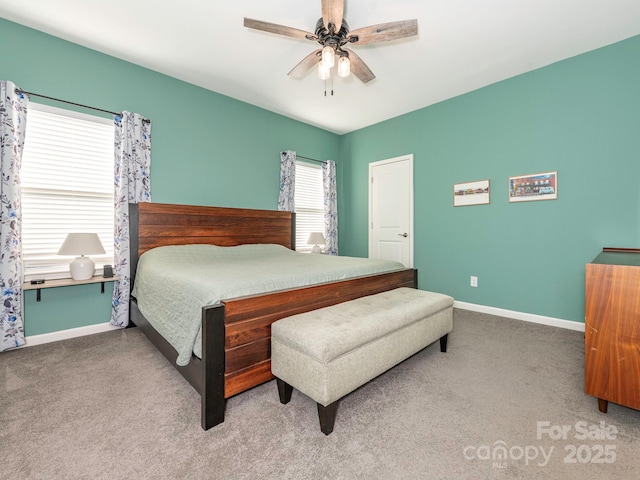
(316,249)
(82,268)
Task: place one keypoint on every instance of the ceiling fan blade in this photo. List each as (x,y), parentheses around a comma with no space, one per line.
(306,64)
(278,29)
(332,12)
(384,32)
(359,68)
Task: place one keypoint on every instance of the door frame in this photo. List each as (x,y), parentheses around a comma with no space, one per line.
(402,158)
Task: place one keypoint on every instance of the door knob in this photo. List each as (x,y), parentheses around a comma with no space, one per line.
(405,235)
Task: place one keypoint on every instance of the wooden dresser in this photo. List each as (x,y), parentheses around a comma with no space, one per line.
(612,328)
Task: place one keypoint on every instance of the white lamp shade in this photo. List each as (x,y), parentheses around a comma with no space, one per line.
(81,268)
(81,244)
(316,238)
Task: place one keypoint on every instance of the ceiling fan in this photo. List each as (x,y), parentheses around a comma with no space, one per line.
(332,33)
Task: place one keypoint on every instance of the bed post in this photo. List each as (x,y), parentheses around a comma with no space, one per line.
(212,394)
(134,220)
(293,231)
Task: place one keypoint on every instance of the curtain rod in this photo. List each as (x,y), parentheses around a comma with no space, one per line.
(18,90)
(311,159)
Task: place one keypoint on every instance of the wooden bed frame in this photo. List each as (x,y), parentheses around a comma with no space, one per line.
(236,335)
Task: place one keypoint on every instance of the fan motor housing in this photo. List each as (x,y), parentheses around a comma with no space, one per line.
(325,37)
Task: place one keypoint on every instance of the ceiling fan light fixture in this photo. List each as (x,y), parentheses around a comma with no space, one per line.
(324,73)
(344,66)
(328,56)
(332,32)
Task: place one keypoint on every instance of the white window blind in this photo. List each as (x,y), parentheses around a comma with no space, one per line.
(67,186)
(309,202)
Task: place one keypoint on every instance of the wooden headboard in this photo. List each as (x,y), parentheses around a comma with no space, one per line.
(160,224)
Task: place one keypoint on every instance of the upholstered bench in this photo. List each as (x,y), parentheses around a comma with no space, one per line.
(328,353)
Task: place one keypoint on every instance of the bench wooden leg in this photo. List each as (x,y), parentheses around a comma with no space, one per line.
(284,390)
(443,343)
(327,416)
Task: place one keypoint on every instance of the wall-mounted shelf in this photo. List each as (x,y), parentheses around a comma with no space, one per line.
(66,282)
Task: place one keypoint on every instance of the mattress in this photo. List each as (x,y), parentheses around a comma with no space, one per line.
(173,283)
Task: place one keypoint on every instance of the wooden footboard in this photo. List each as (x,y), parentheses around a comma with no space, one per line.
(243,361)
(248,321)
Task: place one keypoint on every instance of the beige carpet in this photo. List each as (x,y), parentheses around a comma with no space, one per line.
(109,406)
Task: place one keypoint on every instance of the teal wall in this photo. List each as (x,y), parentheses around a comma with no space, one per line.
(208,149)
(580,117)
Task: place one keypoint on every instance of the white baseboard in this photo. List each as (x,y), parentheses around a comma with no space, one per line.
(527,317)
(33,340)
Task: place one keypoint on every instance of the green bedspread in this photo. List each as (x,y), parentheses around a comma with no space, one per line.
(173,283)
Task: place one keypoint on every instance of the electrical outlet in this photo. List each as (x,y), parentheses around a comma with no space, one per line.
(474,281)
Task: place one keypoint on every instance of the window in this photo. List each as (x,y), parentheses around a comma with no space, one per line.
(309,201)
(67,186)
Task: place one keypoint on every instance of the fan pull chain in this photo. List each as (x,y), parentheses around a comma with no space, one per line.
(325,87)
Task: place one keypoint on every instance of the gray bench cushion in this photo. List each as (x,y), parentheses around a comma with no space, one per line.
(330,332)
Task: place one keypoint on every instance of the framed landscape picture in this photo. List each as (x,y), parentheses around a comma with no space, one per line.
(471,193)
(537,186)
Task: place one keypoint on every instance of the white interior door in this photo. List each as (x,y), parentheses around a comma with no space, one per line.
(391,210)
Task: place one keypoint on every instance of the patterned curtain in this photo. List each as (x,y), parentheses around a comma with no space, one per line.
(286,201)
(13,122)
(330,207)
(132,166)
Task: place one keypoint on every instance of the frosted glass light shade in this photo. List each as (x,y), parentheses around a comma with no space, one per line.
(344,67)
(81,268)
(328,56)
(323,72)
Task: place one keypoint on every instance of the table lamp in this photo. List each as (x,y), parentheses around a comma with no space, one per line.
(82,268)
(316,238)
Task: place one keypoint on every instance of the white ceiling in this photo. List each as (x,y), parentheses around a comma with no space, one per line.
(462,45)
